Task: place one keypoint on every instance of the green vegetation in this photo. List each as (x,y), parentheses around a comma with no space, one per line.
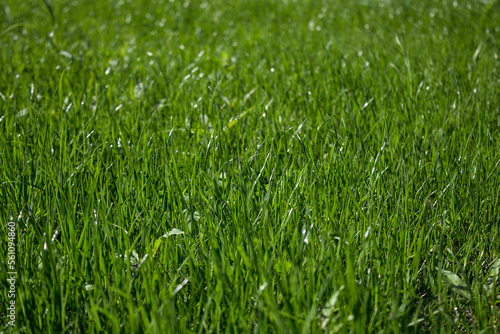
(251,166)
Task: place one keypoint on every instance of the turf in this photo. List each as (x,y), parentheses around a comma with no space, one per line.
(251,166)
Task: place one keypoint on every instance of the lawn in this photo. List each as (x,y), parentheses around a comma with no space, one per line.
(286,166)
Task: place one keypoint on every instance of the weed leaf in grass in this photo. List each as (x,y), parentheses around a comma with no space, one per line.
(330,307)
(457,285)
(492,277)
(283,267)
(495,268)
(134,258)
(156,245)
(22,112)
(174,231)
(236,119)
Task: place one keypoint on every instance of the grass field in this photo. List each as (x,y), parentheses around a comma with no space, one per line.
(285,166)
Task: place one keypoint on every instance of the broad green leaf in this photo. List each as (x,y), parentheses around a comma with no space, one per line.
(174,231)
(156,245)
(492,276)
(495,268)
(457,285)
(330,305)
(22,112)
(236,120)
(134,258)
(283,267)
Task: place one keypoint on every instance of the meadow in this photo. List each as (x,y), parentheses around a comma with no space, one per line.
(285,166)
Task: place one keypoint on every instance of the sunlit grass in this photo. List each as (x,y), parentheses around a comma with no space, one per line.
(251,166)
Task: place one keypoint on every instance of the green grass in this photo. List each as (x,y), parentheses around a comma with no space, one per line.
(251,166)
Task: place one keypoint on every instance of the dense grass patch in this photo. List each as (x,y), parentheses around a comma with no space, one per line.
(251,166)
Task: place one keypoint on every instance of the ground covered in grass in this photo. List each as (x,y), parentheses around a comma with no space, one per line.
(251,166)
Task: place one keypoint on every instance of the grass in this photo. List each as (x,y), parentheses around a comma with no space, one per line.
(251,166)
